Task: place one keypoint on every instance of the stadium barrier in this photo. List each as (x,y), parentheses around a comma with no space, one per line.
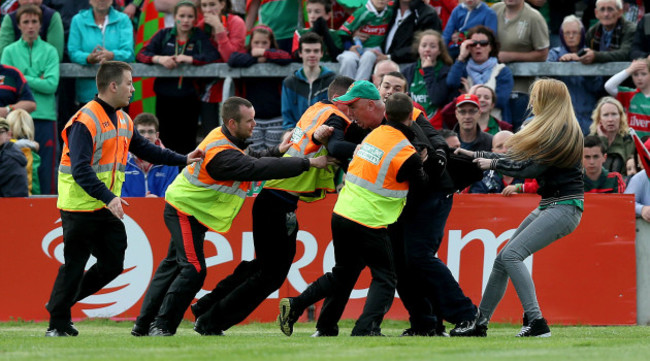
(643,272)
(588,277)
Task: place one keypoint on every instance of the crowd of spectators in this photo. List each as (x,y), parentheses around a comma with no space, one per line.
(452,54)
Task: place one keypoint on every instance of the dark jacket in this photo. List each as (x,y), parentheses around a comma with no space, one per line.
(620,46)
(199,47)
(555,184)
(13,174)
(422,17)
(437,88)
(483,140)
(234,165)
(641,41)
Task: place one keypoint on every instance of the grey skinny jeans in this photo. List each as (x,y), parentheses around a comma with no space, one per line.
(538,230)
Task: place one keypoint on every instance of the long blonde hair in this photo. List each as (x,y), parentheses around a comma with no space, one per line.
(623,128)
(553,137)
(21,124)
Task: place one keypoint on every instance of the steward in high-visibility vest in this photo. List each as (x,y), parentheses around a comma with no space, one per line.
(97,140)
(372,195)
(313,184)
(209,195)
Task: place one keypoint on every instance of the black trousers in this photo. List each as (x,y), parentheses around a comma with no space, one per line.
(355,247)
(275,229)
(97,233)
(179,276)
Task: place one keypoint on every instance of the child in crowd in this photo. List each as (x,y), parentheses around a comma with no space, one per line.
(22,128)
(170,47)
(263,93)
(427,78)
(319,13)
(368,25)
(635,101)
(464,17)
(228,34)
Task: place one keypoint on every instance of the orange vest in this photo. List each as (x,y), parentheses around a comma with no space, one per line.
(214,203)
(110,153)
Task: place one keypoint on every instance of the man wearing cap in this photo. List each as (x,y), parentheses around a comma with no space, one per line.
(379,177)
(471,136)
(13,175)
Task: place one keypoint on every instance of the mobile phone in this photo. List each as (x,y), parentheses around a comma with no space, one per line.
(582,52)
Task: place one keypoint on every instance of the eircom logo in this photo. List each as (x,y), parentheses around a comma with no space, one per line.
(491,245)
(124,291)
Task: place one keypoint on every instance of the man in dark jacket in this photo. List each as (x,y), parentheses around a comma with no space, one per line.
(13,174)
(410,17)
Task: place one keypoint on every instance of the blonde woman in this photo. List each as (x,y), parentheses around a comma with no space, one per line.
(22,128)
(548,149)
(610,124)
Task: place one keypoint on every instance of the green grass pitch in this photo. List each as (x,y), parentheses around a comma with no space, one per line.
(108,340)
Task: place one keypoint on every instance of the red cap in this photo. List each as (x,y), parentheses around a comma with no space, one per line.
(467,98)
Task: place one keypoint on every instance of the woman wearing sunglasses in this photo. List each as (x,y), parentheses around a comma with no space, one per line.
(477,63)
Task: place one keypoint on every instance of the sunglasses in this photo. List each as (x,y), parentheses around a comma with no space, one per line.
(482,43)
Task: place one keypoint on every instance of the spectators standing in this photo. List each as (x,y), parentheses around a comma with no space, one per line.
(584,91)
(39,63)
(595,177)
(641,40)
(465,16)
(263,93)
(409,17)
(610,39)
(228,35)
(639,185)
(487,99)
(22,129)
(477,63)
(368,25)
(471,136)
(281,16)
(427,76)
(141,178)
(610,124)
(51,30)
(308,85)
(98,34)
(170,47)
(635,101)
(523,36)
(13,174)
(319,12)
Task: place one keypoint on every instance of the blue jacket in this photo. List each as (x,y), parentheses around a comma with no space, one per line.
(85,35)
(505,83)
(298,94)
(585,91)
(481,15)
(136,183)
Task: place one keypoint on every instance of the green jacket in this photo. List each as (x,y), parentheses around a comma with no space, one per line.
(54,34)
(40,66)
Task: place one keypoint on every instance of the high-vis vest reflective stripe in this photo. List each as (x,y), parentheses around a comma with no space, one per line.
(372,196)
(110,152)
(214,203)
(416,114)
(303,147)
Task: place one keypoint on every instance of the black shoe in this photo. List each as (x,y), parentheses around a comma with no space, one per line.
(62,331)
(199,327)
(139,331)
(159,331)
(537,328)
(287,316)
(472,328)
(320,333)
(430,333)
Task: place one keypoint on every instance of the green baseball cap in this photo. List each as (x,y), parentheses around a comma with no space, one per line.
(360,89)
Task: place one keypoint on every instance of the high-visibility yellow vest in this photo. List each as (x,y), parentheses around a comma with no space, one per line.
(214,203)
(110,152)
(314,179)
(372,196)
